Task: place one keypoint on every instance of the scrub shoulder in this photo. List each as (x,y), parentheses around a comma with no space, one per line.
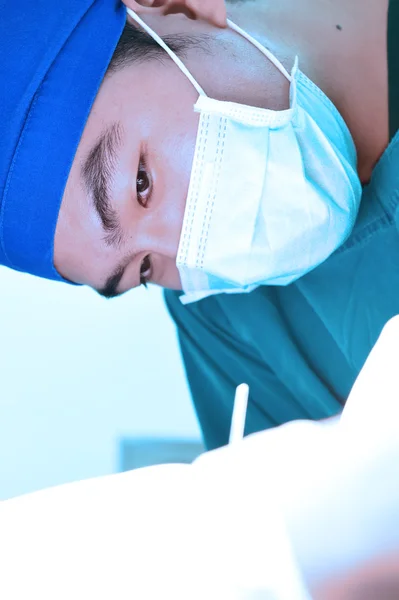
(299,347)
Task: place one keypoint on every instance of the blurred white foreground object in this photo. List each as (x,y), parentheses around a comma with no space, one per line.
(172,531)
(262,518)
(373,403)
(335,482)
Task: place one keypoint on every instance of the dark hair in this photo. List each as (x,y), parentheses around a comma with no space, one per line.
(137,46)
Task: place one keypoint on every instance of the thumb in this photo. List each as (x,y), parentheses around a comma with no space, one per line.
(211,11)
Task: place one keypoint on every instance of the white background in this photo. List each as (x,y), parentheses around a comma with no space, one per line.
(79,372)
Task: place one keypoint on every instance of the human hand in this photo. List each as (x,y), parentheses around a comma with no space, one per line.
(211,11)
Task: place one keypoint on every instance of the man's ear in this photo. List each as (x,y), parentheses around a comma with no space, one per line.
(211,11)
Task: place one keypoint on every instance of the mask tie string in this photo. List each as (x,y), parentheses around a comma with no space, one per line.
(182,66)
(172,55)
(264,50)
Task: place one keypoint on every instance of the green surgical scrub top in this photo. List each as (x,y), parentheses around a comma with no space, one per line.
(300,347)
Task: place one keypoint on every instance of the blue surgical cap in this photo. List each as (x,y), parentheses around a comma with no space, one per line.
(53,57)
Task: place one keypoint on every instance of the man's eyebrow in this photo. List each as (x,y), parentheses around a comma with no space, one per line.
(110,290)
(97,172)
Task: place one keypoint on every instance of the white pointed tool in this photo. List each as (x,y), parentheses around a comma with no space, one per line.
(239,414)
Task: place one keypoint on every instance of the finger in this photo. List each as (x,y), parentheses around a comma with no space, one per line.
(136,5)
(212,11)
(142,2)
(141,7)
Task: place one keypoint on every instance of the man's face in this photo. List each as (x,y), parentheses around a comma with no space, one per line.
(123,207)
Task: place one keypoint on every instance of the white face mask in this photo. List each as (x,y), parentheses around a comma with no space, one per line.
(272,193)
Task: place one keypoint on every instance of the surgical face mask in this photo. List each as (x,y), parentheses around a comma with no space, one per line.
(272,193)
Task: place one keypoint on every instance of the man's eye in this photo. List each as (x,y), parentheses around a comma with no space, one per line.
(143,186)
(145,271)
(143,183)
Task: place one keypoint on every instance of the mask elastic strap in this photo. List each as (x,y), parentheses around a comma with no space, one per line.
(172,55)
(182,66)
(264,50)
